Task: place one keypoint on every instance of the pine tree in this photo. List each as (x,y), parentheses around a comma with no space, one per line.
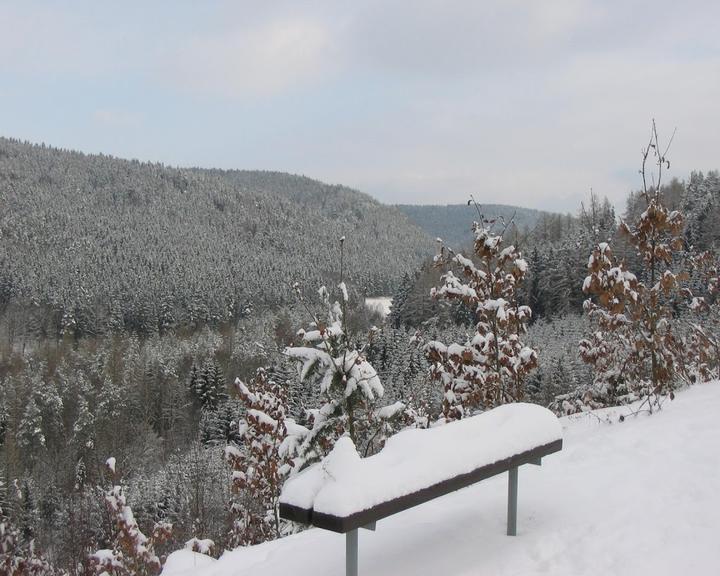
(300,395)
(207,385)
(219,426)
(535,298)
(399,301)
(84,427)
(332,359)
(30,433)
(4,499)
(348,383)
(216,379)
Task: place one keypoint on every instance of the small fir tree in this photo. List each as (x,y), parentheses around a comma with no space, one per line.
(332,359)
(348,383)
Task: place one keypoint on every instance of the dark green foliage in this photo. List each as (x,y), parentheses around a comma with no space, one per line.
(208,385)
(219,426)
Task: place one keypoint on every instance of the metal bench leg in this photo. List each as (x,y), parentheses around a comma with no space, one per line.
(512,502)
(351,553)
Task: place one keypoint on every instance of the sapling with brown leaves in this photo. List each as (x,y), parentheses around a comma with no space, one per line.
(491,367)
(18,556)
(259,464)
(635,348)
(132,553)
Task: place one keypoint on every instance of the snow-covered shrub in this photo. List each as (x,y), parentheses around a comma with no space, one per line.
(634,346)
(259,466)
(490,368)
(132,553)
(18,557)
(201,546)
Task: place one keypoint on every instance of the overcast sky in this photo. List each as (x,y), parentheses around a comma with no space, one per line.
(518,102)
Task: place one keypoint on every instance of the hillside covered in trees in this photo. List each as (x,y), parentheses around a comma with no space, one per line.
(90,242)
(133,295)
(453,221)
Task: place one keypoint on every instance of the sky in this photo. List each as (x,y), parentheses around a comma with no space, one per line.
(532,103)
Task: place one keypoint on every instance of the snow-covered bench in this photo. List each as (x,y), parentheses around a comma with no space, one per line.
(345,492)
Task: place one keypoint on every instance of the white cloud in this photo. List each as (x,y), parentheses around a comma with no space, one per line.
(534,102)
(253,61)
(117,119)
(52,39)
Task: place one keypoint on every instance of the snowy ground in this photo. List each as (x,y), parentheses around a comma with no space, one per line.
(640,497)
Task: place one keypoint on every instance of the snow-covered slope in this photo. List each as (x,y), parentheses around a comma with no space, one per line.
(637,497)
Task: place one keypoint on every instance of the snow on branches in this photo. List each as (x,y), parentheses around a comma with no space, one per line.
(634,348)
(133,553)
(259,465)
(610,348)
(18,557)
(703,345)
(491,367)
(201,546)
(349,385)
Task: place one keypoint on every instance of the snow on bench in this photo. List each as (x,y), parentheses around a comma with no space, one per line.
(345,492)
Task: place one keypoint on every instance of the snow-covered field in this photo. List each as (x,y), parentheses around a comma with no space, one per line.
(641,497)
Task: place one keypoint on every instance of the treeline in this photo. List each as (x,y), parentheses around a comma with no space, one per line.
(91,244)
(452,222)
(557,249)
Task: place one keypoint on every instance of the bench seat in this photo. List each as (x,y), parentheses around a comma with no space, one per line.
(345,492)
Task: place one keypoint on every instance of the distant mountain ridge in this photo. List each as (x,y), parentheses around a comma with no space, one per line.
(106,242)
(453,222)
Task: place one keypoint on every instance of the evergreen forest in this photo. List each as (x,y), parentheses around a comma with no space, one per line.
(148,314)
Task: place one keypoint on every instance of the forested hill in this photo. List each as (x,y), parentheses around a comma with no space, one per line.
(453,222)
(108,242)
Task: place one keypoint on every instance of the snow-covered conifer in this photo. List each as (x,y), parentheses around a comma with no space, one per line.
(331,359)
(703,342)
(208,385)
(30,433)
